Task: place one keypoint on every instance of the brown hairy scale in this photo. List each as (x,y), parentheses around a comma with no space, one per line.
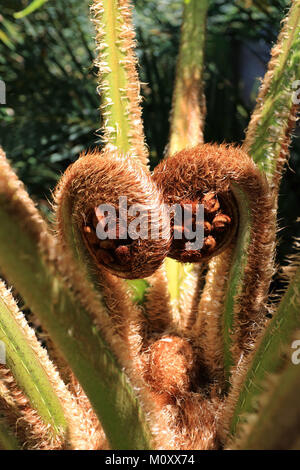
(202,175)
(100,178)
(170,362)
(183,404)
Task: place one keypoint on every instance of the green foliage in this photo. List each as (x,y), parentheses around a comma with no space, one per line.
(34,5)
(51,114)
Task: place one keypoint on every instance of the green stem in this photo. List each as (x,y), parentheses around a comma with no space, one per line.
(72,329)
(119,88)
(34,5)
(236,276)
(267,137)
(269,356)
(118,79)
(28,371)
(276,427)
(7,439)
(273,120)
(188,109)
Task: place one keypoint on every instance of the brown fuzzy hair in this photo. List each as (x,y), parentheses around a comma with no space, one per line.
(204,174)
(100,178)
(220,169)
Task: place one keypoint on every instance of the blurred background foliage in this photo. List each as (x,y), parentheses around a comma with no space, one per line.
(51,112)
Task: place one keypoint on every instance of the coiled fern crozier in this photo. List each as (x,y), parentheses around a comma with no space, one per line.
(148,344)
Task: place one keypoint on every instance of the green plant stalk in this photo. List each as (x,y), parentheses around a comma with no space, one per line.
(235,281)
(72,329)
(113,94)
(273,119)
(121,112)
(29,373)
(4,38)
(175,274)
(188,109)
(178,281)
(138,288)
(267,141)
(118,80)
(269,356)
(277,424)
(7,439)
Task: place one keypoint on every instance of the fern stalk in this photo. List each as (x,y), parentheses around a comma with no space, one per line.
(270,358)
(188,107)
(7,440)
(274,118)
(275,426)
(28,261)
(267,140)
(119,87)
(26,366)
(187,118)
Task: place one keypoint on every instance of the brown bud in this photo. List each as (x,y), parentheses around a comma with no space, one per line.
(107,244)
(221,221)
(170,365)
(90,235)
(209,243)
(210,203)
(207,227)
(123,254)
